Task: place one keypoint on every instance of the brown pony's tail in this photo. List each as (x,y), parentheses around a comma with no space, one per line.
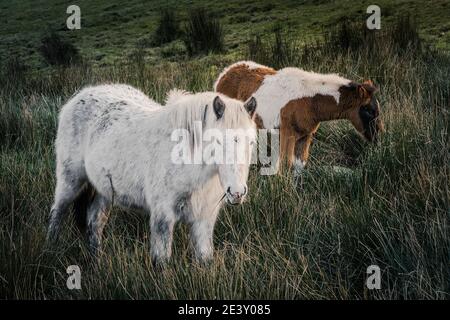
(80,206)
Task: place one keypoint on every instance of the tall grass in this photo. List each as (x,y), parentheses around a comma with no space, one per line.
(203,33)
(313,239)
(281,48)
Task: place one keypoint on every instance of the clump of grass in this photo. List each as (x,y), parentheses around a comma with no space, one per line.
(400,37)
(280,51)
(175,50)
(13,74)
(57,51)
(168,27)
(203,33)
(15,68)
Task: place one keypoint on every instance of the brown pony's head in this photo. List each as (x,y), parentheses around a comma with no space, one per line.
(362,108)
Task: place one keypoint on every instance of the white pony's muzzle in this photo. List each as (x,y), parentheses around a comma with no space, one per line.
(236,197)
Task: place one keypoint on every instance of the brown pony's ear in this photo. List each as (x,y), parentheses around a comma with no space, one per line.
(369,86)
(250,106)
(366,90)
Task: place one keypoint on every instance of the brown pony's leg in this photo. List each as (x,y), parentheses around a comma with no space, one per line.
(302,153)
(287,147)
(302,150)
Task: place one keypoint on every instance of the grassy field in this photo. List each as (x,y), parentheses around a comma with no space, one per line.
(111,31)
(310,239)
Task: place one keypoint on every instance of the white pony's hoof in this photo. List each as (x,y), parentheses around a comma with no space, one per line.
(298,168)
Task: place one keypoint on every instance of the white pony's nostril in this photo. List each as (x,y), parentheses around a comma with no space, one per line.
(237,195)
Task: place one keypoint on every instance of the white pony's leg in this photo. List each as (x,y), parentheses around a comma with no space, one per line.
(206,203)
(162,222)
(97,217)
(202,231)
(67,189)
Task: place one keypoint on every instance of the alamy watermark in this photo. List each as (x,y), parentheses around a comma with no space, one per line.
(74,279)
(373,22)
(73,22)
(228,146)
(373,281)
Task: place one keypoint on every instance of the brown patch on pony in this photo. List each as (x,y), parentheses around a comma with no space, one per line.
(240,82)
(299,121)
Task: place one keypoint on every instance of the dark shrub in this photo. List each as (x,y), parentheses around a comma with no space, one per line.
(57,51)
(168,29)
(347,35)
(203,33)
(404,33)
(279,51)
(401,36)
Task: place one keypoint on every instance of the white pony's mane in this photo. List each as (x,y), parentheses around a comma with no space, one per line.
(175,94)
(187,108)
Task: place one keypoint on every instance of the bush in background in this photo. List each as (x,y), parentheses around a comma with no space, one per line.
(281,49)
(167,29)
(203,33)
(57,51)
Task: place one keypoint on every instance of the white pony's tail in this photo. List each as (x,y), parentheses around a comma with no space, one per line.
(174,95)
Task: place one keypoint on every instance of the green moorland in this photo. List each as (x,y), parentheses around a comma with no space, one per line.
(111,30)
(307,239)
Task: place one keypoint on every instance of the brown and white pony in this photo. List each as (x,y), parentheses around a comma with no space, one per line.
(296,101)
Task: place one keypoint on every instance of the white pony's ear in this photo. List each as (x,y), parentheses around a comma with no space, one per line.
(250,106)
(219,107)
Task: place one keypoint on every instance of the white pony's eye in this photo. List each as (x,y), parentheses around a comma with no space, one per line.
(236,139)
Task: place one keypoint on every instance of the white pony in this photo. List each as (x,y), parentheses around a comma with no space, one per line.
(114,147)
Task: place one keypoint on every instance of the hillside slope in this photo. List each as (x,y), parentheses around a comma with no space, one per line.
(111,31)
